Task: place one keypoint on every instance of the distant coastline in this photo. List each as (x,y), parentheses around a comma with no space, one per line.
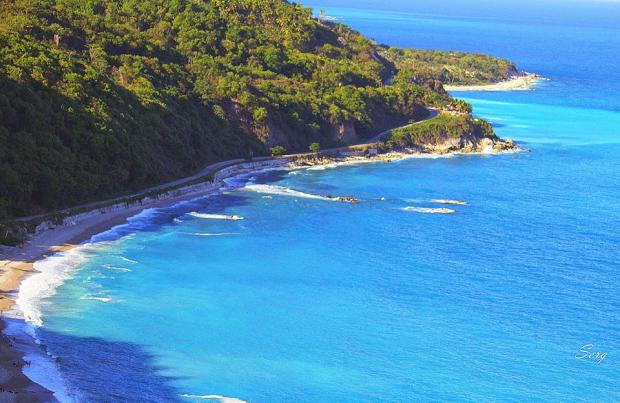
(524,82)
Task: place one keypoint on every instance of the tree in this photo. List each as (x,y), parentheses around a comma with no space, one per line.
(315,147)
(260,114)
(278,151)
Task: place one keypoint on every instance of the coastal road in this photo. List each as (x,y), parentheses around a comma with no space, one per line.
(431,114)
(202,173)
(207,170)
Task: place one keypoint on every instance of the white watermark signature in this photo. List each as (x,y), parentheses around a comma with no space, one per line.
(586,353)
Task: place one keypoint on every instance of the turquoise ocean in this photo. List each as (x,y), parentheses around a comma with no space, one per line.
(508,299)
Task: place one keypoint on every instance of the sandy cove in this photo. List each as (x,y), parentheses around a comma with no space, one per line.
(518,83)
(18,262)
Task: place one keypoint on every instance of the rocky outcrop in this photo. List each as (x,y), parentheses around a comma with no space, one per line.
(512,71)
(470,144)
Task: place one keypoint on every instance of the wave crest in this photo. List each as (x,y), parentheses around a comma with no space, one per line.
(429,210)
(222,399)
(50,274)
(448,201)
(116,268)
(210,233)
(284,191)
(215,216)
(100,299)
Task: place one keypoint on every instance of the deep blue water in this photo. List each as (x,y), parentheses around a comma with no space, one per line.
(312,300)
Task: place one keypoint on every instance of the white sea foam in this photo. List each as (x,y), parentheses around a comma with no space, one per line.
(211,233)
(428,210)
(51,273)
(215,216)
(128,260)
(116,268)
(100,299)
(243,178)
(448,201)
(284,191)
(222,399)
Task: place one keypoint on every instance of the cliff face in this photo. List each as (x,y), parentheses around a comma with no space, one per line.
(512,71)
(344,133)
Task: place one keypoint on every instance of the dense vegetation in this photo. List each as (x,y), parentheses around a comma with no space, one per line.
(444,127)
(101,98)
(455,68)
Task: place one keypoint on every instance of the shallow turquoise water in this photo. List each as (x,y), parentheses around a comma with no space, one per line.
(312,300)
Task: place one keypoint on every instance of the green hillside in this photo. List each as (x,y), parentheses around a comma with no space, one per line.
(455,68)
(101,98)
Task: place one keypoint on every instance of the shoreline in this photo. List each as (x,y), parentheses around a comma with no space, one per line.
(15,386)
(17,263)
(518,83)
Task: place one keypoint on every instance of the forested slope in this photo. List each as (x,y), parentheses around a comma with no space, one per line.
(100,98)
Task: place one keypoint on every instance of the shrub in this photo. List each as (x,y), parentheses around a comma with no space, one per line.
(315,147)
(260,114)
(278,151)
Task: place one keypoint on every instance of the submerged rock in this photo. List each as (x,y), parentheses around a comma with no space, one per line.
(448,201)
(348,199)
(344,199)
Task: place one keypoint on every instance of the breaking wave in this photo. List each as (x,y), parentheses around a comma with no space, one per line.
(428,210)
(448,201)
(215,216)
(222,399)
(116,268)
(128,260)
(211,233)
(100,299)
(50,274)
(284,191)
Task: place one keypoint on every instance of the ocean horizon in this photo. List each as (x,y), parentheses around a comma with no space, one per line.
(455,278)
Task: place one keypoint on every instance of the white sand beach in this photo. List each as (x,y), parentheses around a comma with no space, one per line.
(519,83)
